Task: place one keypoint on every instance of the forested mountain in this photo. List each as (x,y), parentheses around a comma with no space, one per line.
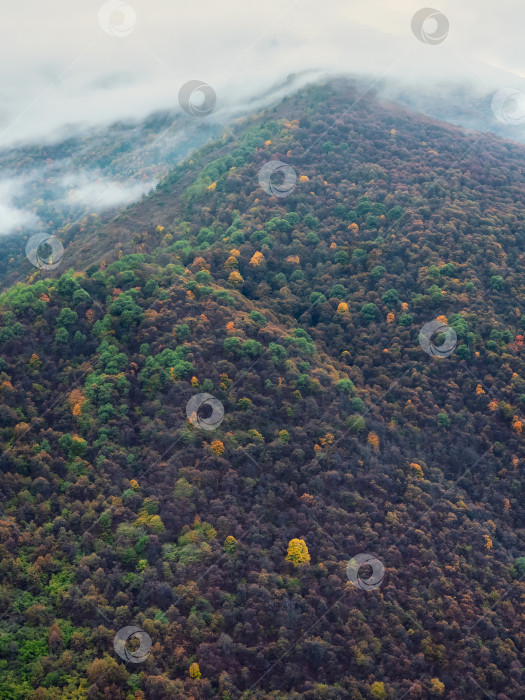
(330,428)
(86,176)
(83,178)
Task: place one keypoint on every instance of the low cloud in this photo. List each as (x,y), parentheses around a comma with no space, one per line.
(12,216)
(70,70)
(95,193)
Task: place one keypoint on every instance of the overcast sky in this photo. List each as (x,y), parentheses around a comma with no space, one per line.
(59,66)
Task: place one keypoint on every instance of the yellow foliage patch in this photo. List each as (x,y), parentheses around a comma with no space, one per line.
(195,671)
(298,552)
(373,439)
(327,439)
(257,259)
(231,263)
(201,264)
(438,688)
(417,468)
(76,400)
(218,448)
(235,278)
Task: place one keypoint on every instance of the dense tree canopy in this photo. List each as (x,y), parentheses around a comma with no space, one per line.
(300,315)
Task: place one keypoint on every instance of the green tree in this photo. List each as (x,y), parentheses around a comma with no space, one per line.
(520,566)
(338,292)
(391,298)
(395,213)
(369,312)
(62,336)
(345,386)
(359,255)
(377,272)
(443,420)
(497,282)
(356,423)
(258,318)
(251,348)
(127,309)
(67,317)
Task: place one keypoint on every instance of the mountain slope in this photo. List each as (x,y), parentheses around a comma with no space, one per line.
(301,315)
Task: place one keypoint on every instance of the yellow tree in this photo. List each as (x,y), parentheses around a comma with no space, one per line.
(235,278)
(417,469)
(195,671)
(230,544)
(201,263)
(34,363)
(76,401)
(298,552)
(257,259)
(217,448)
(231,263)
(377,690)
(436,686)
(373,439)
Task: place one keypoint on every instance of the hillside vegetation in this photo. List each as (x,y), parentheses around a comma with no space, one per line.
(301,315)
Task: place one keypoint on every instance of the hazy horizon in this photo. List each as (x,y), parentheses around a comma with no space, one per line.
(84,65)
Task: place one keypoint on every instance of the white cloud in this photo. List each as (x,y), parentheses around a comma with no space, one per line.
(96,193)
(59,67)
(11,216)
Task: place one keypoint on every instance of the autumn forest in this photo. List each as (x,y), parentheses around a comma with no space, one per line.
(225,528)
